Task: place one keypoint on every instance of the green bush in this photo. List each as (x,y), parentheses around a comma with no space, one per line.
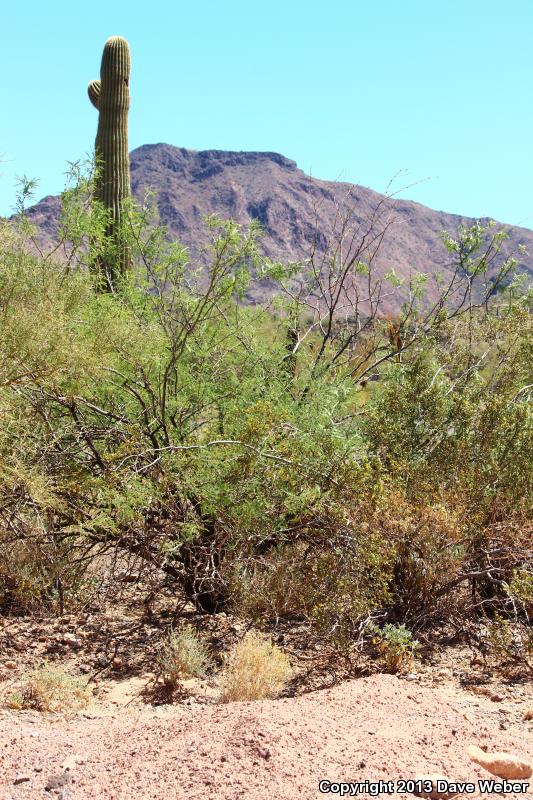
(182,655)
(240,450)
(395,646)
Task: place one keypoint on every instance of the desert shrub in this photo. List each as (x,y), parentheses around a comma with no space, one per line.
(255,670)
(453,434)
(335,574)
(182,655)
(428,544)
(50,688)
(510,645)
(241,451)
(395,646)
(520,591)
(40,572)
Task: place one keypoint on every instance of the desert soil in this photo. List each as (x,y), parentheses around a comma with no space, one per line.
(377,727)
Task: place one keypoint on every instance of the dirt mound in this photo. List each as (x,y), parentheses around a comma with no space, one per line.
(369,729)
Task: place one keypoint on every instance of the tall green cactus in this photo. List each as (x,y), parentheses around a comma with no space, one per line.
(111,96)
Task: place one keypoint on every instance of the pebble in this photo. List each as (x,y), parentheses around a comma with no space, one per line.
(21,779)
(71,640)
(72,761)
(503,765)
(57,781)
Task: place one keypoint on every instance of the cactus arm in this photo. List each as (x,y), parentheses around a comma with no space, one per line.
(93,90)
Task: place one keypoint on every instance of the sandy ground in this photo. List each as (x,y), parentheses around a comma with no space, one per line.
(373,728)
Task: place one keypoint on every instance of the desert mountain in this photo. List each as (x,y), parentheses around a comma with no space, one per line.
(295,210)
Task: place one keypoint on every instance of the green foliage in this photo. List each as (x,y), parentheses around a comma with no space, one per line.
(239,450)
(395,646)
(510,645)
(520,587)
(182,655)
(49,688)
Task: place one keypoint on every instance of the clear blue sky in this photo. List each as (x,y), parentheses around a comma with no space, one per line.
(349,89)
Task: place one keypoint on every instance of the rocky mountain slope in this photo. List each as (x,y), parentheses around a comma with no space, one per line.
(297,212)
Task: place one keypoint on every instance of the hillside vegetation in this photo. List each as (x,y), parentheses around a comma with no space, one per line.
(308,459)
(297,212)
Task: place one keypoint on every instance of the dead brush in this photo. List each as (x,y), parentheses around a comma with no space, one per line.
(255,670)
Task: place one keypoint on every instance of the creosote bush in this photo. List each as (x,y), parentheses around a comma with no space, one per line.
(255,670)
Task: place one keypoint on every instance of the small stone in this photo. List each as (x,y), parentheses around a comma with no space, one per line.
(21,779)
(412,676)
(503,765)
(117,663)
(57,781)
(496,698)
(71,640)
(528,715)
(10,664)
(434,793)
(72,761)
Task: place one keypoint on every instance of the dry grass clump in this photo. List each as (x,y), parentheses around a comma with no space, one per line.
(182,656)
(255,670)
(50,688)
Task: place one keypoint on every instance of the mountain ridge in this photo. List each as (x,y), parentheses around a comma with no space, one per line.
(297,212)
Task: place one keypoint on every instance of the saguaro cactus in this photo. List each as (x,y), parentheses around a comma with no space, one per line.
(111,96)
